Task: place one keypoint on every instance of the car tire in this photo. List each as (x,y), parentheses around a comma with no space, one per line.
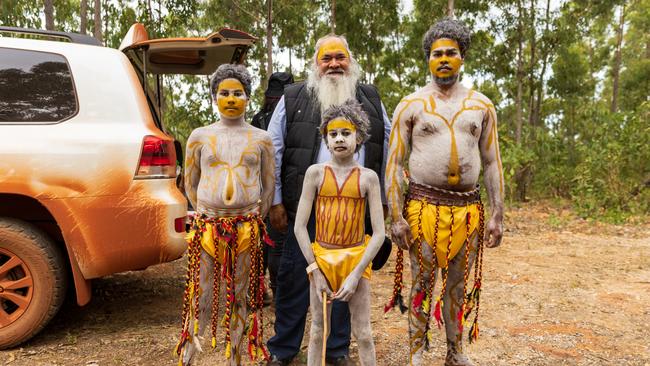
(33,281)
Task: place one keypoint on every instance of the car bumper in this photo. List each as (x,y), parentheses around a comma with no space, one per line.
(111,234)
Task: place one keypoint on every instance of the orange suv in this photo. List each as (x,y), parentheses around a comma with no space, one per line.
(87,171)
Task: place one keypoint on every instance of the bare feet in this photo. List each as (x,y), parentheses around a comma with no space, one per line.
(457,359)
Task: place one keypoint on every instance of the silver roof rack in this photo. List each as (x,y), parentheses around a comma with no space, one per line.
(72,37)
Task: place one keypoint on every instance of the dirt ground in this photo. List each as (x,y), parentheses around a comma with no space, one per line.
(559,291)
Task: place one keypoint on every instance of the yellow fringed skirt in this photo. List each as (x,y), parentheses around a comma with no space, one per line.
(422,218)
(210,241)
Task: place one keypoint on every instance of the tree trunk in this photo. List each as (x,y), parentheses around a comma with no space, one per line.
(83,17)
(290,67)
(333,16)
(269,39)
(617,62)
(537,111)
(520,75)
(450,8)
(49,15)
(571,134)
(398,46)
(532,83)
(97,20)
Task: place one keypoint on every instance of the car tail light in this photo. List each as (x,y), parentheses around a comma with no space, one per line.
(157,159)
(179,224)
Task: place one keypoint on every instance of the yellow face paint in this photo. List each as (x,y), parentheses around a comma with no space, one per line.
(341,123)
(332,47)
(231,98)
(445,52)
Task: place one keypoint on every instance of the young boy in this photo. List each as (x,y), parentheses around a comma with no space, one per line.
(229,180)
(339,259)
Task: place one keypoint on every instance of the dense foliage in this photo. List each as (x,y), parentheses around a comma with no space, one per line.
(571,79)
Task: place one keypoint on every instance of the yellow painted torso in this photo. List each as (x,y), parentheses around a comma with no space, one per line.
(340,212)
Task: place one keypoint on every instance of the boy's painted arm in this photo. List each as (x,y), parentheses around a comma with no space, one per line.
(268,175)
(303,212)
(309,189)
(192,167)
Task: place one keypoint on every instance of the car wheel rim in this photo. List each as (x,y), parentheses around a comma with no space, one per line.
(16,287)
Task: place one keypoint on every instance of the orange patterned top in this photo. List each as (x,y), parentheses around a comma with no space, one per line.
(340,212)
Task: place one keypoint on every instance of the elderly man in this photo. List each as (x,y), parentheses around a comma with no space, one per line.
(445,132)
(333,80)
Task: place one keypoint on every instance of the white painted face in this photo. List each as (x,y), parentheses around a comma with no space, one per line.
(341,137)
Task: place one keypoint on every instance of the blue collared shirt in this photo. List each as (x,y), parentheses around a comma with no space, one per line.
(278,130)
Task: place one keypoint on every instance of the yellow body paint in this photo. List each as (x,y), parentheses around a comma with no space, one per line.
(231,105)
(229,188)
(454,62)
(237,174)
(341,123)
(332,46)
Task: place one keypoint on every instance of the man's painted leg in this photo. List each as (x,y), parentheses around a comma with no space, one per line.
(421,281)
(453,301)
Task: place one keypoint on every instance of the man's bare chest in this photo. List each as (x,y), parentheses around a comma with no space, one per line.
(439,117)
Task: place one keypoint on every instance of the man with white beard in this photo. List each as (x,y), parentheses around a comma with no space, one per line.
(333,79)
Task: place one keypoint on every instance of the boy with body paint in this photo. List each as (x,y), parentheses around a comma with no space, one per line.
(339,259)
(229,180)
(445,132)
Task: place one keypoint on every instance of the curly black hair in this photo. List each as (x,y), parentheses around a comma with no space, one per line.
(230,71)
(447,28)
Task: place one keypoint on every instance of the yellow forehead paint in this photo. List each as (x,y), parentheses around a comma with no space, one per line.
(231,84)
(444,42)
(332,45)
(341,123)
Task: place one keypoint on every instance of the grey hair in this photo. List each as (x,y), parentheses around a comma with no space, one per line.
(321,40)
(230,71)
(350,111)
(447,28)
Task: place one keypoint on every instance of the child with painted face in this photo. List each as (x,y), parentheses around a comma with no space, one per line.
(339,259)
(229,180)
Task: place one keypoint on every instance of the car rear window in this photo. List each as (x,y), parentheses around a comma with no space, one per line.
(35,87)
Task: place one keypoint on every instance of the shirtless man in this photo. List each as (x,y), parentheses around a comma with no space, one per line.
(445,132)
(229,180)
(339,259)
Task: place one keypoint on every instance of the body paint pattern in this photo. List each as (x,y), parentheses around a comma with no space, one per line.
(227,169)
(340,211)
(424,107)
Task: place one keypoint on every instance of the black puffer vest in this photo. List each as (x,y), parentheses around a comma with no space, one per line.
(303,139)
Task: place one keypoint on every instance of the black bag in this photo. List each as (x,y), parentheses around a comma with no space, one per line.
(382,255)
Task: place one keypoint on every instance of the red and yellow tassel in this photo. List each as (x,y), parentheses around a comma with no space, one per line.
(437,312)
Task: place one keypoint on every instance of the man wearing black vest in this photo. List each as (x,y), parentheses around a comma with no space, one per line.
(294,129)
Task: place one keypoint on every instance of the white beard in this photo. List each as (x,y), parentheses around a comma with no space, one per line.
(333,90)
